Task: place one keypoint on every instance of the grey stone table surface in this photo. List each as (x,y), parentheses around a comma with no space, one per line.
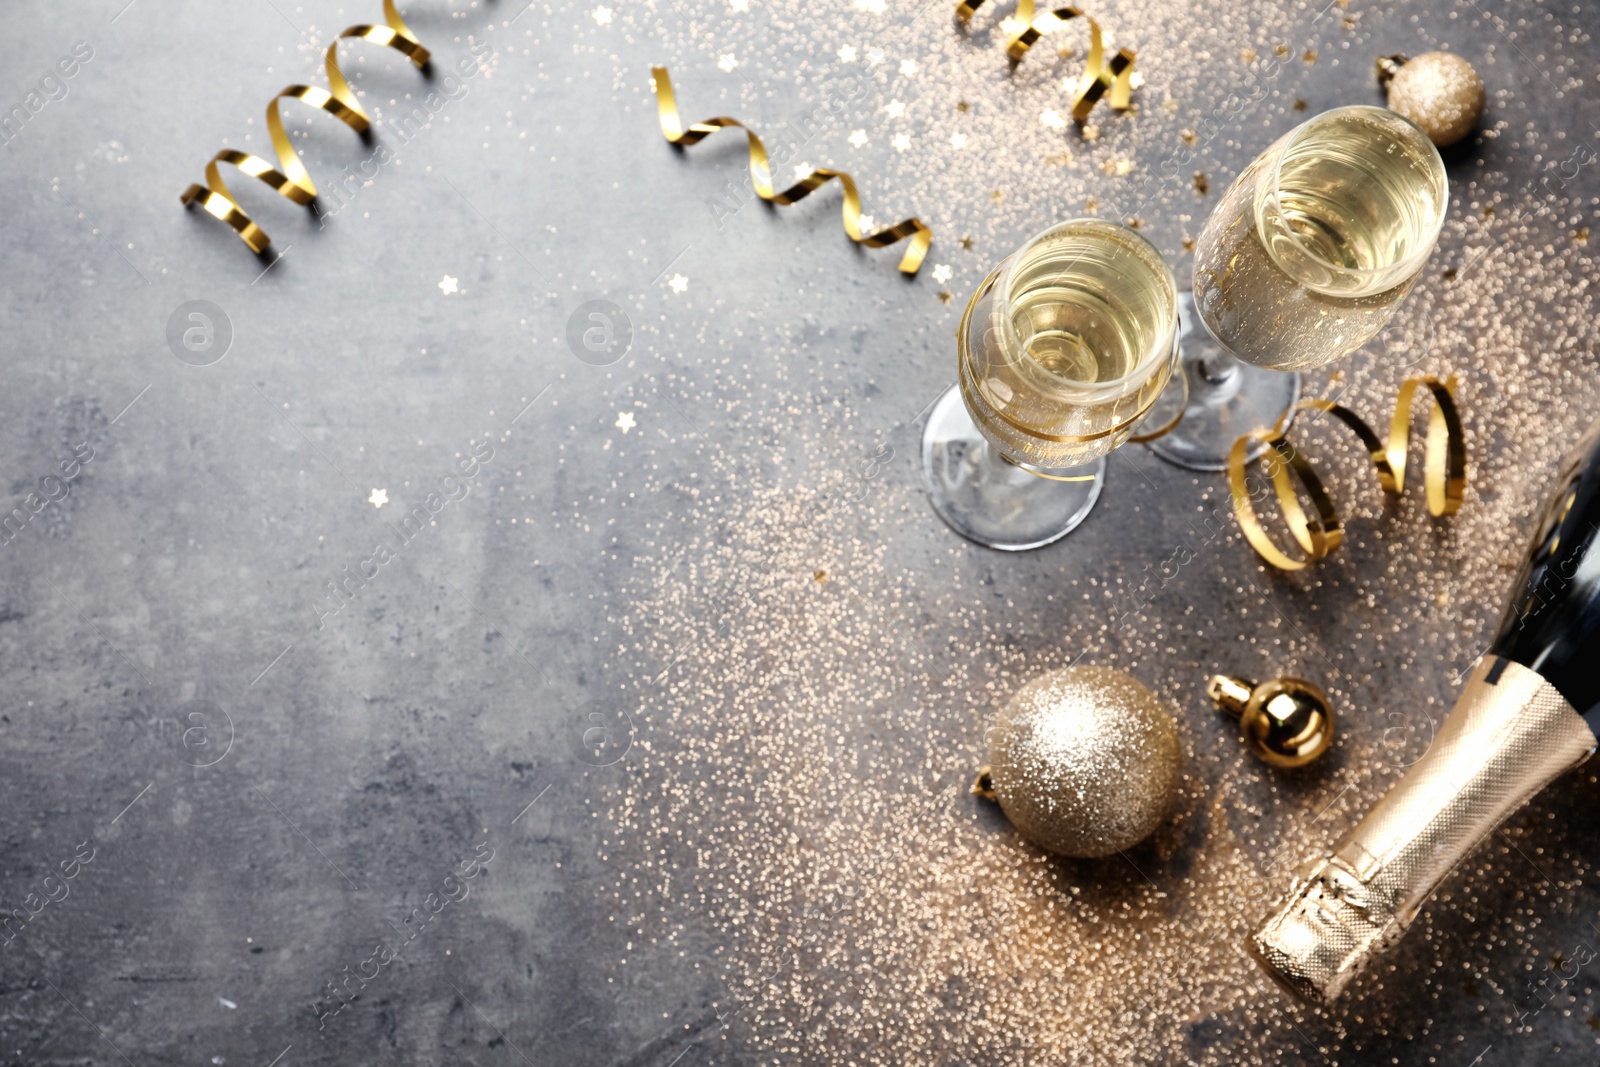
(640,730)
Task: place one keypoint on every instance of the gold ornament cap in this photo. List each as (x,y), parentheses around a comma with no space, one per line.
(1288,722)
(1084,761)
(1438,91)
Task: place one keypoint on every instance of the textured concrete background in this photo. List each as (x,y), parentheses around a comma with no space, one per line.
(268,789)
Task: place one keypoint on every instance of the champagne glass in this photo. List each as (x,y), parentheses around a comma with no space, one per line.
(1304,260)
(1060,353)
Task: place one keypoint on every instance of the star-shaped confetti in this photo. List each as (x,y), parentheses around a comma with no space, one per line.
(1051,119)
(847,54)
(625,421)
(726,62)
(867,223)
(602,15)
(942,273)
(901,142)
(874,56)
(678,283)
(858,138)
(739,5)
(958,140)
(895,109)
(874,7)
(448,285)
(908,67)
(379,498)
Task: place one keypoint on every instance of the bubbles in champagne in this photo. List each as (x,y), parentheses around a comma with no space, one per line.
(1317,242)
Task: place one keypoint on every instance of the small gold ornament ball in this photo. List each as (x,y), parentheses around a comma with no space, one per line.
(1288,721)
(1439,91)
(1084,761)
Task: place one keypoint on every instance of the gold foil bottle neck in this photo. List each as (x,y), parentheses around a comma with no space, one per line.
(1511,733)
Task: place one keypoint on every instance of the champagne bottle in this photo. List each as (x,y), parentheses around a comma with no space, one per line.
(1528,713)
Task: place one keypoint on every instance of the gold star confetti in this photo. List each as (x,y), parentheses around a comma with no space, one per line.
(1091,133)
(944,296)
(379,498)
(1582,235)
(1188,136)
(1090,204)
(448,285)
(1202,184)
(963,107)
(819,577)
(1310,56)
(625,421)
(966,242)
(1299,105)
(1188,243)
(997,195)
(1247,55)
(678,283)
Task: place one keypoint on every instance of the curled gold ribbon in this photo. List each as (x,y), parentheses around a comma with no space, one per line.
(761,178)
(1444,471)
(1099,76)
(294,181)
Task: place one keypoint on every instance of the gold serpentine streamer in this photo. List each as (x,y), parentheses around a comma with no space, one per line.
(1099,76)
(1444,471)
(761,178)
(294,181)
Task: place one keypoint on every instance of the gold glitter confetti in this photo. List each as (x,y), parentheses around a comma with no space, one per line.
(294,181)
(921,237)
(1444,474)
(945,296)
(1099,76)
(1202,184)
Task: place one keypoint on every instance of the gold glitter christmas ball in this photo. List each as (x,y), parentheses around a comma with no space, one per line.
(1439,91)
(1084,761)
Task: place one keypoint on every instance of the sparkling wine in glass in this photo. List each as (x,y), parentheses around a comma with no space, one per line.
(1061,351)
(1304,260)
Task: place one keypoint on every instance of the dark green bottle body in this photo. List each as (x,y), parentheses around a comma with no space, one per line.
(1552,619)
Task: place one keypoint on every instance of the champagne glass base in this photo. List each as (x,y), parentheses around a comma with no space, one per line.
(987,499)
(1227,398)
